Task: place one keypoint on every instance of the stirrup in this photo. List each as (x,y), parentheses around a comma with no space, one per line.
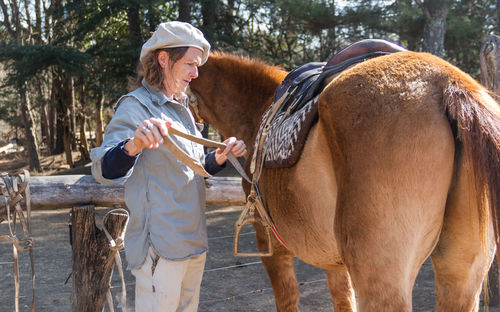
(248,216)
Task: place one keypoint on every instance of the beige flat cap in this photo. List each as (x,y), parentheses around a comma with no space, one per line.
(176,34)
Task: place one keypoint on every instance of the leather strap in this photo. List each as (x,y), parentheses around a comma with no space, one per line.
(116,245)
(181,155)
(12,188)
(206,142)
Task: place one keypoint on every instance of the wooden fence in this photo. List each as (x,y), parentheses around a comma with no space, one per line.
(93,258)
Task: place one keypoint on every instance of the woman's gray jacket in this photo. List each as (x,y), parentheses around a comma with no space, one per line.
(166,198)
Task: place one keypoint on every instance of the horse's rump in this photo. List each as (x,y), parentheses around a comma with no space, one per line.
(383,85)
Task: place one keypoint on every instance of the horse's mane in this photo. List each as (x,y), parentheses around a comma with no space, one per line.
(249,70)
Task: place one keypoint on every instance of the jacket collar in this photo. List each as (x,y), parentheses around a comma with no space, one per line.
(157,96)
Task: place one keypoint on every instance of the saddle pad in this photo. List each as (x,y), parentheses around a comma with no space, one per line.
(286,138)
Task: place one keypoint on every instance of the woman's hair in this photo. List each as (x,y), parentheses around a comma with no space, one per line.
(151,70)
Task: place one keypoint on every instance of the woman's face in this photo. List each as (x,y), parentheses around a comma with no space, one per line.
(179,75)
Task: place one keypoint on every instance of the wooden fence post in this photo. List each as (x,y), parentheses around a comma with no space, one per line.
(93,260)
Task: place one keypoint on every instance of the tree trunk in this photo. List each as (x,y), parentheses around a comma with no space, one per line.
(498,15)
(152,17)
(82,125)
(38,22)
(435,12)
(45,126)
(184,11)
(70,91)
(44,121)
(83,144)
(67,139)
(62,88)
(12,24)
(490,65)
(68,105)
(93,260)
(99,129)
(134,24)
(209,12)
(63,95)
(30,138)
(60,112)
(328,44)
(52,127)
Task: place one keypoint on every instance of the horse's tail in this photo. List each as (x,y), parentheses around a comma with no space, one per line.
(475,119)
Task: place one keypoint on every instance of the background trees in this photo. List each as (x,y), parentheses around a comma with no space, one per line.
(63,63)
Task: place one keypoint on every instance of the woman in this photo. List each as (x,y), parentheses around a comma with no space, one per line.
(166,239)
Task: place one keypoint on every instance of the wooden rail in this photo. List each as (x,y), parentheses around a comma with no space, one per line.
(53,192)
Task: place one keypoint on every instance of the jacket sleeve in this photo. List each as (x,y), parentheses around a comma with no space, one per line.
(129,113)
(211,166)
(116,162)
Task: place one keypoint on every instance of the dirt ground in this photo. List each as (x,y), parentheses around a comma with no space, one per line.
(229,283)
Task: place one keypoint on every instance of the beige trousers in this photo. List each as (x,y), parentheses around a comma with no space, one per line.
(168,286)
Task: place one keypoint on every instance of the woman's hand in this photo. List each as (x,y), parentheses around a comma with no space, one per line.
(148,135)
(237,147)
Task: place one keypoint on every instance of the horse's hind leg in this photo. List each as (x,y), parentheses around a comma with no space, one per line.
(339,284)
(384,258)
(460,259)
(281,272)
(394,186)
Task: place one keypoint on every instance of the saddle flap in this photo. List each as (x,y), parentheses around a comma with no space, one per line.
(299,77)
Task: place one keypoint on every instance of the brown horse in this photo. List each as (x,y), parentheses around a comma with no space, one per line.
(402,164)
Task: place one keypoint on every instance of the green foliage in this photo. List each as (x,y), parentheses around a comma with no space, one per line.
(98,41)
(103,32)
(8,108)
(27,61)
(287,32)
(407,20)
(468,26)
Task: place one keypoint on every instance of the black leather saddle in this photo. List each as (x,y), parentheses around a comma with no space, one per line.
(305,82)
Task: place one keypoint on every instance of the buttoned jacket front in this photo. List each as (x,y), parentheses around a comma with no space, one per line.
(166,198)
